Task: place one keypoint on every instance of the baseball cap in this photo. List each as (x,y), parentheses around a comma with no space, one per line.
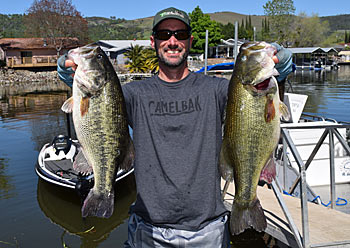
(171,13)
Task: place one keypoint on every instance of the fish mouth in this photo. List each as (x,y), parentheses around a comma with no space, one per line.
(264,86)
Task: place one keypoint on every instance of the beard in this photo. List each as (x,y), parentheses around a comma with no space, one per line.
(173,64)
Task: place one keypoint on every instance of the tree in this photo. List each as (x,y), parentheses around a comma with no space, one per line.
(227,30)
(141,59)
(304,33)
(347,37)
(55,20)
(265,30)
(200,23)
(281,16)
(149,55)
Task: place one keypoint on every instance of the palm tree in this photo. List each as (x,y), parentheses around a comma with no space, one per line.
(151,59)
(141,59)
(136,61)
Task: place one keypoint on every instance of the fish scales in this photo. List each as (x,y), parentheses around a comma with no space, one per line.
(100,121)
(251,132)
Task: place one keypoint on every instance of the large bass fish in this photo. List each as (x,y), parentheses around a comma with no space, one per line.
(100,122)
(251,132)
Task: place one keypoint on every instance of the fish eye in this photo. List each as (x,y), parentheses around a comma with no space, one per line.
(99,56)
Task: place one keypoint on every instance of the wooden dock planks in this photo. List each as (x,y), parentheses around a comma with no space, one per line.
(328,227)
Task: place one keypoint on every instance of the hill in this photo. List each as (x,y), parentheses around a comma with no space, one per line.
(101,28)
(226,17)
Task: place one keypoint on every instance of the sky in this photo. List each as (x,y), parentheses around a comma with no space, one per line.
(133,9)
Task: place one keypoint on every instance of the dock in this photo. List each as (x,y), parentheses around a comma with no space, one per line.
(327,227)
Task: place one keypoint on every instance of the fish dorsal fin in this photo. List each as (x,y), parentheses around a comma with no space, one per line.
(81,164)
(84,105)
(284,112)
(67,106)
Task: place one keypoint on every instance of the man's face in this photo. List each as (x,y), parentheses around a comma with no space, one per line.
(172,52)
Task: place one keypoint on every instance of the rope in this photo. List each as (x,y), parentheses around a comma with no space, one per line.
(339,202)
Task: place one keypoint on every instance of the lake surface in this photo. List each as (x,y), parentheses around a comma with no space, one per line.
(37,214)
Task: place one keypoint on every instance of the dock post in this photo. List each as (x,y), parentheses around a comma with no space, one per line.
(303,189)
(332,170)
(206,52)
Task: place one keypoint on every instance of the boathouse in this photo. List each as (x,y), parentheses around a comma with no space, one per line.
(33,52)
(311,57)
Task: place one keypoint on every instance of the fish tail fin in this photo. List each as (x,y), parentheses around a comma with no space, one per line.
(244,218)
(100,205)
(226,169)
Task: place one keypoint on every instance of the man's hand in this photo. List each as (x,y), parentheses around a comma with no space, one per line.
(66,69)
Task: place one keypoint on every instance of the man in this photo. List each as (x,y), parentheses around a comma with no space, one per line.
(176,118)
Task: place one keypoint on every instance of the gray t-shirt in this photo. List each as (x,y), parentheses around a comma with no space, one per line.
(177,137)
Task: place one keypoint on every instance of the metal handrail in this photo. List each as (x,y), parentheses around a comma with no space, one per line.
(331,130)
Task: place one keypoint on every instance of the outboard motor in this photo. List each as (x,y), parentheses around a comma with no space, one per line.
(61,143)
(61,147)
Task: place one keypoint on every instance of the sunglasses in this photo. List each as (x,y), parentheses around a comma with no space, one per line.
(166,34)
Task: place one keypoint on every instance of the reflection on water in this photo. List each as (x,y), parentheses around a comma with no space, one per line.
(63,207)
(7,188)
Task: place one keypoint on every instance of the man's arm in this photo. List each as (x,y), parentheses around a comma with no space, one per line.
(284,62)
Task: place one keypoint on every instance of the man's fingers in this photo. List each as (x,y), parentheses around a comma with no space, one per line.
(70,63)
(275,59)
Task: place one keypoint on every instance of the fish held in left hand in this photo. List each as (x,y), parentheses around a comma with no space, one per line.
(100,122)
(251,132)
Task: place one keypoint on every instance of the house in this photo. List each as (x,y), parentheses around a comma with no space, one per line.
(225,49)
(33,52)
(115,49)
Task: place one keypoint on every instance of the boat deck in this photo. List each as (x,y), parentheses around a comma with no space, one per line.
(327,227)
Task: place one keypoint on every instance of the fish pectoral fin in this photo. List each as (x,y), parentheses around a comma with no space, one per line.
(284,112)
(81,164)
(67,106)
(129,156)
(226,167)
(270,111)
(268,173)
(84,105)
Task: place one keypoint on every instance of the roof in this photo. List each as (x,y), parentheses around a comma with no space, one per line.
(36,43)
(344,53)
(312,49)
(231,42)
(329,49)
(305,49)
(118,45)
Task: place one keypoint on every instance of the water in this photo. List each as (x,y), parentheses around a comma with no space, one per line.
(328,92)
(33,212)
(37,214)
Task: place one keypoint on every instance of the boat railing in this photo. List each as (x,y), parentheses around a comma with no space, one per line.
(330,130)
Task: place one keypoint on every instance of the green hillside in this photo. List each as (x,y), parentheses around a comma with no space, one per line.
(116,28)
